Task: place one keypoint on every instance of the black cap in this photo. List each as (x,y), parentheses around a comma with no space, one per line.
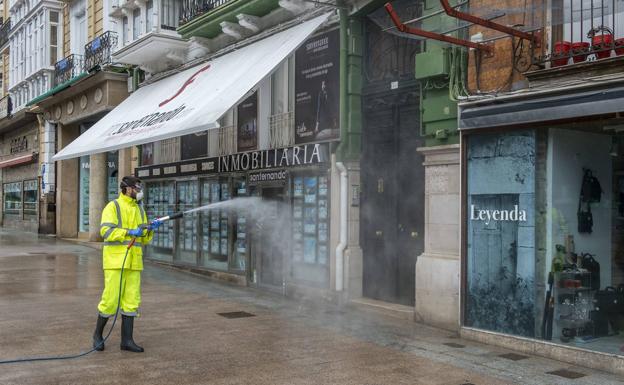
(130,181)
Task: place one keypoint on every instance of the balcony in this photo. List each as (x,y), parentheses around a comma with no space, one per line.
(584,31)
(4,33)
(98,52)
(68,68)
(195,8)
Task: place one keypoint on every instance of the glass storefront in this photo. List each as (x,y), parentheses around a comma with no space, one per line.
(31,190)
(215,225)
(223,240)
(188,198)
(83,194)
(545,235)
(310,227)
(12,198)
(112,186)
(160,201)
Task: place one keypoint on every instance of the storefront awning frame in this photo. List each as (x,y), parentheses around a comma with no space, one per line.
(542,107)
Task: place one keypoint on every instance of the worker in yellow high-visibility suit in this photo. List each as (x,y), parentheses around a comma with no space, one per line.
(122,220)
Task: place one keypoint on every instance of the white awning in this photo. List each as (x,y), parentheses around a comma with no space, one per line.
(192,100)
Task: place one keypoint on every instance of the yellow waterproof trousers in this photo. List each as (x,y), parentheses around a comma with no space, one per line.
(130,292)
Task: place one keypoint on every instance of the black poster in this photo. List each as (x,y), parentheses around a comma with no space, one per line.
(317,85)
(247,138)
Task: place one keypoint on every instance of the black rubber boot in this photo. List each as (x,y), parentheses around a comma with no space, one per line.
(127,343)
(98,340)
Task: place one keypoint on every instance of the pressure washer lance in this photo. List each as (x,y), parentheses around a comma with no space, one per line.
(54,358)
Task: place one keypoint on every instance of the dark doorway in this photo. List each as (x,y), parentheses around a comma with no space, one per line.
(269,244)
(392,173)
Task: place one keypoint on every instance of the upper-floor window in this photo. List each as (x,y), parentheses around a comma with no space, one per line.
(149,15)
(124,32)
(170,14)
(136,23)
(78,26)
(54,37)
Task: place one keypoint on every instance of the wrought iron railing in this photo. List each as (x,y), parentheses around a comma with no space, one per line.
(194,8)
(282,130)
(4,32)
(68,68)
(584,30)
(98,52)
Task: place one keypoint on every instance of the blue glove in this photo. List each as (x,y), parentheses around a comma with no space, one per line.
(154,225)
(135,232)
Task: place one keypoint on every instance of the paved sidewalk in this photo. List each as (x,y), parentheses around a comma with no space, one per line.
(49,290)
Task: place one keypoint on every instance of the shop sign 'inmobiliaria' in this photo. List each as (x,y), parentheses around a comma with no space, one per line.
(295,156)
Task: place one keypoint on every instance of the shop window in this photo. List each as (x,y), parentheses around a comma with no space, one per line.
(501,233)
(215,225)
(160,201)
(241,235)
(83,194)
(545,236)
(187,237)
(310,219)
(12,198)
(30,198)
(112,175)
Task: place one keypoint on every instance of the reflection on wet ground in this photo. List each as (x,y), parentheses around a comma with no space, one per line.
(194,332)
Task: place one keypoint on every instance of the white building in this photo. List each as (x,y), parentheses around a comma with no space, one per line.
(35,43)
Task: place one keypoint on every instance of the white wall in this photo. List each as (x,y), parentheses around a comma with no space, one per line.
(569,152)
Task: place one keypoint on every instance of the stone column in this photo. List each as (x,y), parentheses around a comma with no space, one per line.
(124,164)
(438,268)
(67,186)
(97,193)
(354,265)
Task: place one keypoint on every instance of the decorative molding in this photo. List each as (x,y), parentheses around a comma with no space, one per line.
(252,23)
(233,29)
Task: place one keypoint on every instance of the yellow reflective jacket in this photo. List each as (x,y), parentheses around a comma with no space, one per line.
(119,216)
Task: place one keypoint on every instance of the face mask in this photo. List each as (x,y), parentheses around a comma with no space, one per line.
(139,196)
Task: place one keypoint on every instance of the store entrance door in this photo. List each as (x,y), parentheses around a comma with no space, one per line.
(270,244)
(392,214)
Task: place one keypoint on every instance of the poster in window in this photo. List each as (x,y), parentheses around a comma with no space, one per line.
(310,190)
(309,250)
(298,187)
(317,84)
(247,138)
(147,154)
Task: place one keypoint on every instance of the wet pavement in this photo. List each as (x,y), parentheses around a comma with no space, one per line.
(49,291)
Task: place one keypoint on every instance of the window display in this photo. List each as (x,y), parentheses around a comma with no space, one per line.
(545,236)
(12,193)
(310,219)
(160,201)
(83,194)
(111,172)
(239,260)
(188,198)
(214,224)
(30,198)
